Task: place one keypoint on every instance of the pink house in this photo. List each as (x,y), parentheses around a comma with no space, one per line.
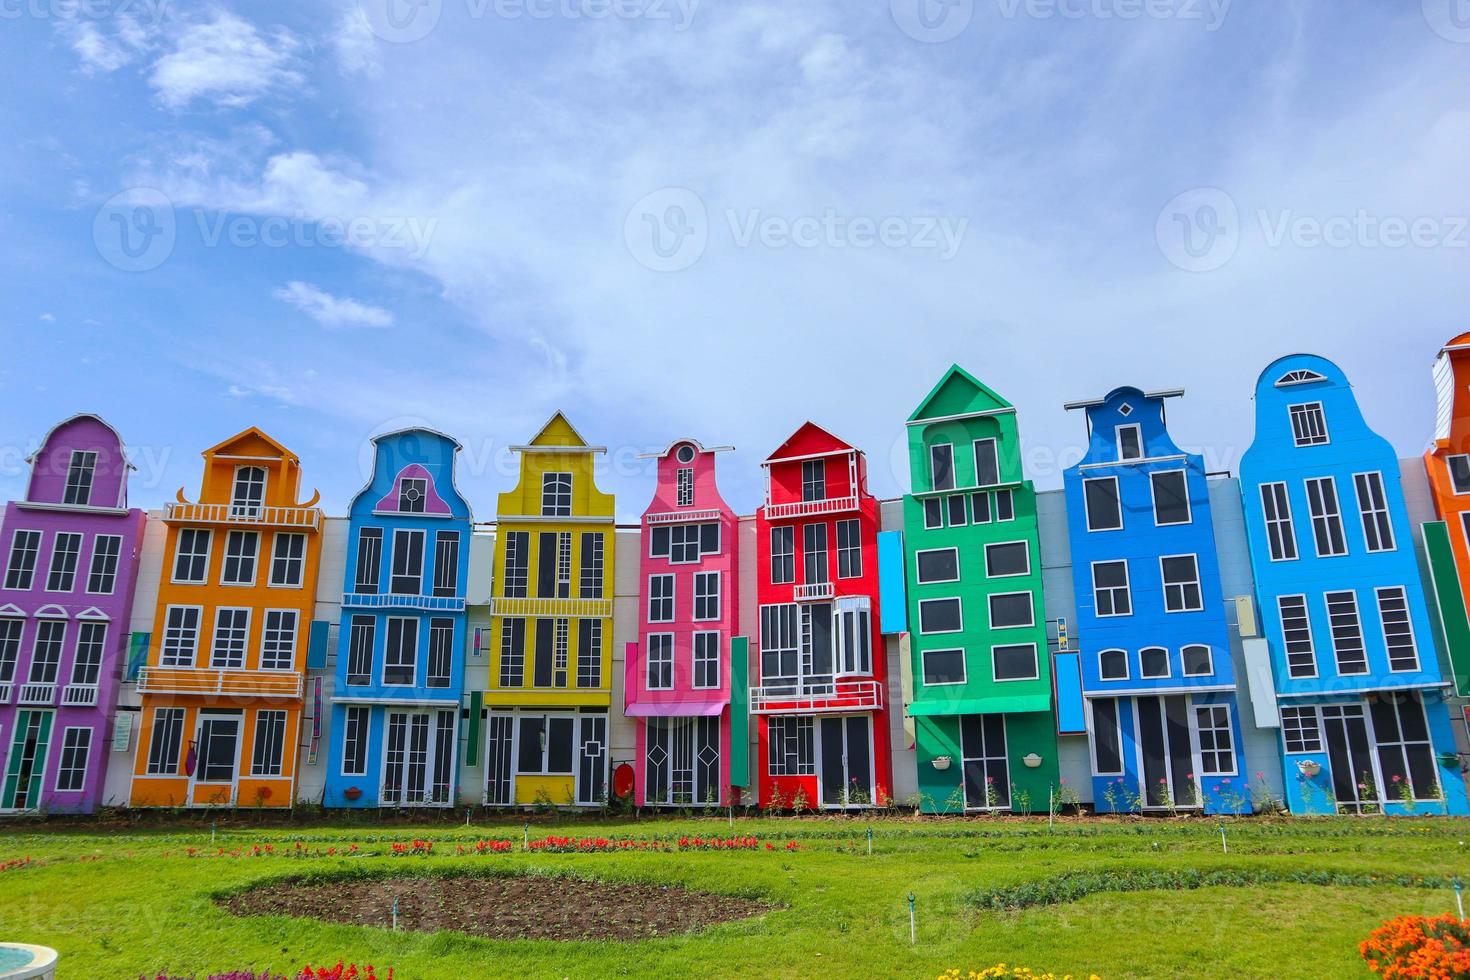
(679,674)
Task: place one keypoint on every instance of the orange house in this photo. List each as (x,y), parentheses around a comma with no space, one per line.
(223,688)
(1447,543)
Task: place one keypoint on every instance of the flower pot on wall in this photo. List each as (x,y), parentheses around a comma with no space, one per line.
(352,793)
(1309,768)
(941,762)
(1032,761)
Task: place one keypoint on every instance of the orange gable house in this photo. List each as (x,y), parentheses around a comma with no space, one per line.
(1447,541)
(222,690)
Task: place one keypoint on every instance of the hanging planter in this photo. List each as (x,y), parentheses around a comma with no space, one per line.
(352,793)
(1032,761)
(1309,768)
(941,762)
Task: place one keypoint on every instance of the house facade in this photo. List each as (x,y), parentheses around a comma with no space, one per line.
(546,709)
(821,694)
(1163,721)
(71,550)
(222,689)
(400,646)
(1447,541)
(1361,696)
(678,676)
(981,703)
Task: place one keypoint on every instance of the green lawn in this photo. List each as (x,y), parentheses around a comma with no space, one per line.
(128,900)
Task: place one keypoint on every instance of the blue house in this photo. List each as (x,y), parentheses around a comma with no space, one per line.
(400,663)
(1156,672)
(1347,642)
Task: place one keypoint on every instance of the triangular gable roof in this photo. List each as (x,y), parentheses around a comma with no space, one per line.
(809,440)
(958,393)
(558,432)
(248,435)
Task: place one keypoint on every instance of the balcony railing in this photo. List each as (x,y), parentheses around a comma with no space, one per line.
(779,699)
(296,517)
(811,508)
(814,591)
(558,608)
(682,516)
(378,600)
(79,696)
(208,681)
(37,694)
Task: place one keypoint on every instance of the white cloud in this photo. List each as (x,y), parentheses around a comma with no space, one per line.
(354,43)
(225,60)
(101,52)
(47,318)
(332,312)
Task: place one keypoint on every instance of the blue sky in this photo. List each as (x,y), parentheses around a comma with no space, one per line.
(674,218)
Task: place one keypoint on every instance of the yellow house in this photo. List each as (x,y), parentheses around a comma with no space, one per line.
(222,691)
(550,688)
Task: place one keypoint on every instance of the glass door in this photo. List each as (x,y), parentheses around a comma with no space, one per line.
(592,759)
(1167,751)
(1349,750)
(986,767)
(27,765)
(218,742)
(846,778)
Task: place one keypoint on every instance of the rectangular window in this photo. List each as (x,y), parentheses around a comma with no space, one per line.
(66,551)
(102,576)
(165,742)
(1107,738)
(980,508)
(1007,559)
(1104,508)
(592,565)
(1405,754)
(556,495)
(1280,534)
(814,480)
(849,549)
(1308,424)
(356,719)
(1373,508)
(684,489)
(1326,517)
(780,644)
(1110,591)
(517,564)
(1296,636)
(512,652)
(401,652)
(441,652)
(247,498)
(1216,745)
(814,552)
(933,513)
(853,636)
(241,548)
(660,598)
(1347,633)
(706,596)
(1300,730)
(413,495)
(288,561)
(1014,662)
(1171,497)
(10,630)
(1005,505)
(79,476)
(446,564)
(231,633)
(943,667)
(1459,467)
(940,616)
(937,565)
(706,661)
(76,745)
(369,559)
(270,742)
(20,570)
(278,639)
(783,555)
(660,661)
(589,653)
(987,463)
(408,563)
(792,750)
(1130,442)
(46,655)
(361,640)
(1398,631)
(1009,610)
(86,666)
(546,745)
(1181,583)
(180,636)
(954,505)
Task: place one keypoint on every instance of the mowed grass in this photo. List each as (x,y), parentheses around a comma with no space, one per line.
(128,900)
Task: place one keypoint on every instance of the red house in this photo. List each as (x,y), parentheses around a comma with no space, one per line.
(821,690)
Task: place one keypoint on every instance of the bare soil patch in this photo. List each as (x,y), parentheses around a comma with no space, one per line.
(501,906)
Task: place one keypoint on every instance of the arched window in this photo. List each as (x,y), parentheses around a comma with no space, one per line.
(1113,665)
(1199,660)
(1153,662)
(248,496)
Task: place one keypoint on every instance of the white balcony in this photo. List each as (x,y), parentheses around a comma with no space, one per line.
(825,698)
(682,516)
(209,681)
(811,508)
(306,518)
(814,591)
(42,694)
(378,600)
(79,696)
(553,608)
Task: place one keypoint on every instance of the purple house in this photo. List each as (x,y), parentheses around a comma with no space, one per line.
(70,550)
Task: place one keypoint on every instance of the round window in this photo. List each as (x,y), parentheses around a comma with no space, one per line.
(685,454)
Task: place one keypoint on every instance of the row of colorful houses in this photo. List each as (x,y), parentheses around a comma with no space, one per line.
(1151,637)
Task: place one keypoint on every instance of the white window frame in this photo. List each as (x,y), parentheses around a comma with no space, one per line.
(357,720)
(959,604)
(1450,471)
(1154,497)
(702,578)
(1137,428)
(1127,588)
(1366,511)
(1403,595)
(924,670)
(1165,584)
(109,574)
(1127,665)
(1168,673)
(279,764)
(712,662)
(1087,509)
(69,584)
(1196,728)
(30,577)
(208,555)
(1035,661)
(87,458)
(245,535)
(62,769)
(552,492)
(954,479)
(1362,633)
(169,765)
(975,455)
(999,544)
(1311,641)
(244,644)
(1282,527)
(990,609)
(239,506)
(938,509)
(1297,732)
(918,575)
(164,659)
(1327,517)
(671,597)
(1092,729)
(299,564)
(1184,662)
(266,637)
(1306,410)
(663,660)
(388,651)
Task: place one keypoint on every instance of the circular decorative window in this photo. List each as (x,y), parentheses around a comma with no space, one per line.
(685,453)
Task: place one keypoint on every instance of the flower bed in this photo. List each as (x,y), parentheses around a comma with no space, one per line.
(1002,971)
(1415,947)
(342,971)
(585,845)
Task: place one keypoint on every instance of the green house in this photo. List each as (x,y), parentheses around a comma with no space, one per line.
(981,703)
